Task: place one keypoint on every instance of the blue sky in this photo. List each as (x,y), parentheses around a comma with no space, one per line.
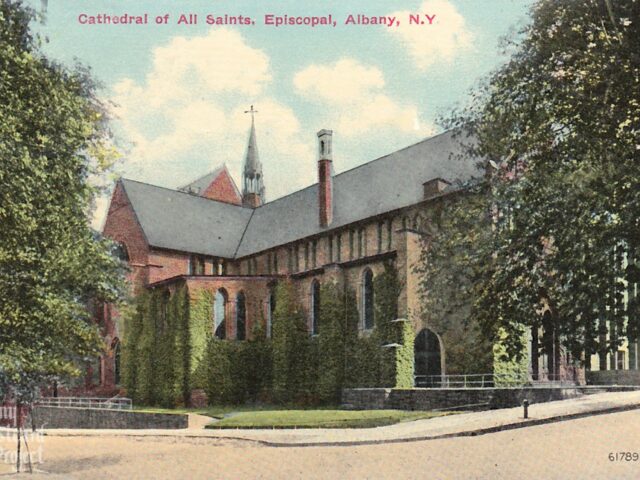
(180,90)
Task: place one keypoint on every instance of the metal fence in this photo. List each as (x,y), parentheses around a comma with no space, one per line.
(114,403)
(488,380)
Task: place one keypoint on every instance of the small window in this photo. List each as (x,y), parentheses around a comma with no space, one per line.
(196,265)
(297,258)
(351,240)
(330,247)
(389,234)
(306,256)
(314,253)
(122,252)
(339,248)
(362,243)
(275,262)
(380,229)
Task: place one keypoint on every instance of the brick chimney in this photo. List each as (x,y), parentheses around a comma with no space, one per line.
(325,177)
(434,187)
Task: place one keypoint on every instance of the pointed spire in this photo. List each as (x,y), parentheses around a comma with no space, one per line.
(252,160)
(252,182)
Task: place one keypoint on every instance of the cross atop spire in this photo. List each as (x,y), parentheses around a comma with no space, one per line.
(252,112)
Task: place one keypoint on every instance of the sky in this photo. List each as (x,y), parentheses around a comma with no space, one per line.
(178,92)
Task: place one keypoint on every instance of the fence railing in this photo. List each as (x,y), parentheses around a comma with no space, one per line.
(488,380)
(114,403)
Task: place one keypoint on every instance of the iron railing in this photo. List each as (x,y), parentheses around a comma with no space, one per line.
(114,403)
(488,380)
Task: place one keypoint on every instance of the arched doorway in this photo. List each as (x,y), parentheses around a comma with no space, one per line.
(428,359)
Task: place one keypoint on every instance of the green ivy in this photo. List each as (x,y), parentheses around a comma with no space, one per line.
(164,361)
(293,350)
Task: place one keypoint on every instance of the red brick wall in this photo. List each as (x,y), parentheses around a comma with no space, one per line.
(223,189)
(122,226)
(256,291)
(165,264)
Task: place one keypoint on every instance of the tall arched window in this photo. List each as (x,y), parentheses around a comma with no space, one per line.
(220,314)
(241,316)
(116,362)
(271,308)
(367,300)
(315,307)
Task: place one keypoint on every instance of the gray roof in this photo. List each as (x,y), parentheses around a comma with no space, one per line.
(219,229)
(181,221)
(388,183)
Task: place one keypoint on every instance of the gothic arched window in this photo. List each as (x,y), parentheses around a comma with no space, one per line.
(271,308)
(220,314)
(367,300)
(241,317)
(122,252)
(315,307)
(116,362)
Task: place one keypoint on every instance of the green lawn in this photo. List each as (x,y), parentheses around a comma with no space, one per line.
(320,418)
(219,411)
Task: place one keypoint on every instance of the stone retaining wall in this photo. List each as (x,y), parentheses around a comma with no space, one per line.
(92,418)
(614,377)
(451,398)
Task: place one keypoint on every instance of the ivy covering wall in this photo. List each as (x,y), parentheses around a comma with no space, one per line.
(156,346)
(170,349)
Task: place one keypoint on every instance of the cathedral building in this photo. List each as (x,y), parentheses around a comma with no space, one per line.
(209,235)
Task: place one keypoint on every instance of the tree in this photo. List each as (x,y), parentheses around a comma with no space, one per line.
(53,140)
(558,129)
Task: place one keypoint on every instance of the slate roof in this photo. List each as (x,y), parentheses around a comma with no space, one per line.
(388,183)
(218,229)
(199,185)
(185,222)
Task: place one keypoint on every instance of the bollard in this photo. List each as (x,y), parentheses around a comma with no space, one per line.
(525,405)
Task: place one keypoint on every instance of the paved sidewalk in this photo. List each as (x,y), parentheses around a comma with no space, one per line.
(467,424)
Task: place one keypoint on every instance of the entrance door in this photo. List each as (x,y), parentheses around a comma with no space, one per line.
(427,359)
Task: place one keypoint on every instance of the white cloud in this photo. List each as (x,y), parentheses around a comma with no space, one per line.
(356,100)
(442,41)
(187,116)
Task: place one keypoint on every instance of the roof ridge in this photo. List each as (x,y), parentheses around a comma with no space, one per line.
(183,193)
(358,166)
